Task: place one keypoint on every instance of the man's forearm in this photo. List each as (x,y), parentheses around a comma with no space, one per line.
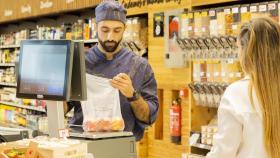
(141,109)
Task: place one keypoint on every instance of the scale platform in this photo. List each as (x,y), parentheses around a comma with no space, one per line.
(107,144)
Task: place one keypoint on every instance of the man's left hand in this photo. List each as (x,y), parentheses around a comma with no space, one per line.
(124,84)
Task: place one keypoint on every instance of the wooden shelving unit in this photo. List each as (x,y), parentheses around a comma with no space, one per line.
(23,106)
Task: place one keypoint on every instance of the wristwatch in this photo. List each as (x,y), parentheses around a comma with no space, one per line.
(136,96)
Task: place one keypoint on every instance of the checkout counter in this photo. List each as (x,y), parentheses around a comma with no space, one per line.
(108,144)
(100,145)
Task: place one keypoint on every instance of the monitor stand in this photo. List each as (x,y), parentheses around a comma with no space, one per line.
(55,113)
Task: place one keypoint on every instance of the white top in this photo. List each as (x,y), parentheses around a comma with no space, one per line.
(240,129)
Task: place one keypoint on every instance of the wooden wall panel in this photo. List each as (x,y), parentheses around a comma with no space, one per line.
(170,81)
(8,11)
(49,7)
(207,2)
(26,8)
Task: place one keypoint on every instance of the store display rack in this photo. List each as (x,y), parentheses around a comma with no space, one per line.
(8,84)
(9,46)
(39,109)
(7,64)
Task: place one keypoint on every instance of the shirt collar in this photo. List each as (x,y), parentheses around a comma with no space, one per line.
(101,56)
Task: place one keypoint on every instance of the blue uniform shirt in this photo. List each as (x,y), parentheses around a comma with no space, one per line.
(143,81)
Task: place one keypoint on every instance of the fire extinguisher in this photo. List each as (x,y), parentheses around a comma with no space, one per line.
(175,121)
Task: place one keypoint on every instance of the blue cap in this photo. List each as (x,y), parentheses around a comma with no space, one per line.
(110,10)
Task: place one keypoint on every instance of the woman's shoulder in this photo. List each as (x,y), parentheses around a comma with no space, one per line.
(238,96)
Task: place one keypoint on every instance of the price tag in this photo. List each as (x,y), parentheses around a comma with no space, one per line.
(227,11)
(231,75)
(195,30)
(212,13)
(234,27)
(262,8)
(208,74)
(253,9)
(244,9)
(190,28)
(271,6)
(223,74)
(235,10)
(64,133)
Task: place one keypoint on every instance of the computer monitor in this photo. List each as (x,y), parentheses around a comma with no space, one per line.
(46,67)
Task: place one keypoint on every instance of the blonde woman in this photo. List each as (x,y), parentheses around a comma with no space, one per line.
(249,112)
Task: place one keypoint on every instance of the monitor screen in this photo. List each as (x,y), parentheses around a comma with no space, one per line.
(45,69)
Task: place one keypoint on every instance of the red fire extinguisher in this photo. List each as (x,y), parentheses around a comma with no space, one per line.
(175,121)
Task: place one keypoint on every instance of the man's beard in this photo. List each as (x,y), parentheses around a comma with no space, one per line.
(109,46)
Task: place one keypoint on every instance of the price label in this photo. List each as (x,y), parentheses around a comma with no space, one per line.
(262,8)
(212,13)
(234,27)
(63,133)
(253,9)
(227,11)
(190,28)
(244,10)
(271,6)
(235,10)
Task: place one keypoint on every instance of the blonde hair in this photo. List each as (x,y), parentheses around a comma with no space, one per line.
(260,59)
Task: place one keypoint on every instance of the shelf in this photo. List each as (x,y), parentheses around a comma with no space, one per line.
(202,146)
(7,64)
(195,156)
(8,84)
(9,46)
(193,142)
(23,106)
(17,46)
(91,41)
(87,41)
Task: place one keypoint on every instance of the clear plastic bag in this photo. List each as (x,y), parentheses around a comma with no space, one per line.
(101,111)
